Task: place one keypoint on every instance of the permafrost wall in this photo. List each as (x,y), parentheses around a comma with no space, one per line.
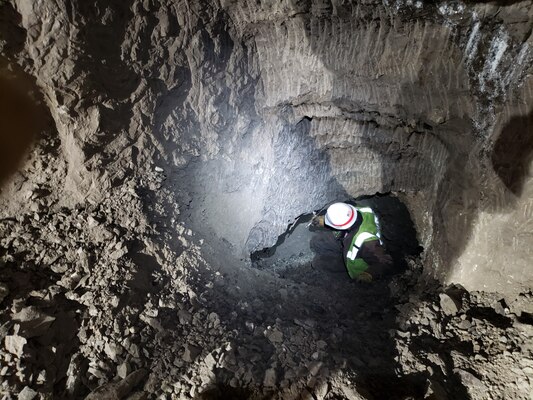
(227,120)
(263,112)
(291,106)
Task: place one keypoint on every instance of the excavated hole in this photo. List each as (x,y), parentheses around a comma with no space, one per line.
(302,246)
(291,249)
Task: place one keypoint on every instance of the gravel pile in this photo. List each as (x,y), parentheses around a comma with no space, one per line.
(179,137)
(94,306)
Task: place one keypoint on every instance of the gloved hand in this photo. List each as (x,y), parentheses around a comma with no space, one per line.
(364,277)
(318,221)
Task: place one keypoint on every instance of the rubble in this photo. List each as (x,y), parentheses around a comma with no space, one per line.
(27,394)
(14,344)
(270,378)
(448,305)
(179,138)
(475,387)
(190,353)
(118,390)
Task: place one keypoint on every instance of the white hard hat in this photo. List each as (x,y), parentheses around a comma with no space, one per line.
(341,216)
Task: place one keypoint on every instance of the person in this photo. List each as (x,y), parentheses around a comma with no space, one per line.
(358,230)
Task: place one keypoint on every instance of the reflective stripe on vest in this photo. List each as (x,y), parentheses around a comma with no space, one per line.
(358,243)
(362,237)
(352,253)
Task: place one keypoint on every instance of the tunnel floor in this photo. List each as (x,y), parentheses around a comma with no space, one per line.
(364,334)
(169,138)
(149,313)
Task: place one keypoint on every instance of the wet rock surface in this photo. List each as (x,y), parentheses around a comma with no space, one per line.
(179,137)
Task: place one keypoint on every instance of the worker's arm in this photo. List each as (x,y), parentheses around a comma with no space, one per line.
(379,261)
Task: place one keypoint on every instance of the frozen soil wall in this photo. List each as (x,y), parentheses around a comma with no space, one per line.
(164,142)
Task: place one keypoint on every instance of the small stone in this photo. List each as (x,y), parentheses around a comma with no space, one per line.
(214,319)
(523,385)
(250,326)
(435,392)
(498,307)
(403,334)
(274,335)
(15,344)
(475,387)
(190,353)
(123,370)
(153,322)
(114,390)
(210,362)
(308,323)
(27,394)
(167,388)
(464,325)
(91,222)
(314,367)
(4,291)
(289,374)
(321,344)
(112,350)
(476,348)
(41,378)
(321,390)
(184,317)
(158,169)
(447,305)
(96,372)
(134,350)
(270,378)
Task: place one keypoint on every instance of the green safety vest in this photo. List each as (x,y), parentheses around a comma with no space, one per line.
(368,231)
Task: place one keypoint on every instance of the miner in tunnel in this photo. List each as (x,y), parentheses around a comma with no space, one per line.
(357,230)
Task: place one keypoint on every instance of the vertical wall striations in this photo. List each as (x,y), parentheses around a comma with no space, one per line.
(259,112)
(410,98)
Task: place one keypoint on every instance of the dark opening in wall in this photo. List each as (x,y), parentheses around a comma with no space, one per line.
(301,246)
(291,249)
(22,117)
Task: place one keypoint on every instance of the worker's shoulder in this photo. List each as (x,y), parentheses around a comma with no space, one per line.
(363,208)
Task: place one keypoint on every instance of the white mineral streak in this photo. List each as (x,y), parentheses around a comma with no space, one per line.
(473,40)
(490,72)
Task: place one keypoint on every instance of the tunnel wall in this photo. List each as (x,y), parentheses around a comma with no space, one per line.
(499,249)
(260,112)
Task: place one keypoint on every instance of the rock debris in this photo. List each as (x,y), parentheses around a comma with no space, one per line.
(152,146)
